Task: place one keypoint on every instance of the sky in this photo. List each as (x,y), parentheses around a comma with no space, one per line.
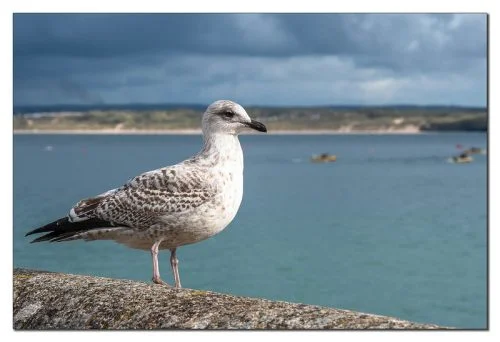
(254,59)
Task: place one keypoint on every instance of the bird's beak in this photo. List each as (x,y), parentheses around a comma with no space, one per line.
(257,126)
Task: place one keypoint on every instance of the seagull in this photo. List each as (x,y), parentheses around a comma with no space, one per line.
(172,206)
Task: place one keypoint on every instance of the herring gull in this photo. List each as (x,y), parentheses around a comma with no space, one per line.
(171,206)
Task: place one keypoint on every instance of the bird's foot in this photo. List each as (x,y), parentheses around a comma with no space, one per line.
(160,282)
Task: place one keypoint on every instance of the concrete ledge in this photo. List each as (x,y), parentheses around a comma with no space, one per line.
(45,300)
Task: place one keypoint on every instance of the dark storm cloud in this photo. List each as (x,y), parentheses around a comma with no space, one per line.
(139,57)
(116,35)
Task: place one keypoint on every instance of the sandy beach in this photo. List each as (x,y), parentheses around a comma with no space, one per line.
(403,130)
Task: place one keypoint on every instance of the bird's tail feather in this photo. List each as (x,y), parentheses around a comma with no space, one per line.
(63,229)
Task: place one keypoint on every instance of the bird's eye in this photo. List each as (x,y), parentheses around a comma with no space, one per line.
(228,115)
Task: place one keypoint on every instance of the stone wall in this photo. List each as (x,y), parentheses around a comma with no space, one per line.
(45,300)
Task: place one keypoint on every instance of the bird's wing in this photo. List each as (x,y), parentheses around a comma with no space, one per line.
(143,199)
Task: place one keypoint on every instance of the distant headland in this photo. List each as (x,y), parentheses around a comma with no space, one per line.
(185,119)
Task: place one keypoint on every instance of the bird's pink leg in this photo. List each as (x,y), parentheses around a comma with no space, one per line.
(156,269)
(174,262)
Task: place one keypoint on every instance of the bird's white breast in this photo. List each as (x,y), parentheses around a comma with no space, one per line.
(226,171)
(231,175)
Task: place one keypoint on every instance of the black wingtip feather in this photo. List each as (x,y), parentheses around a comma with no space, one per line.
(53,226)
(47,237)
(62,228)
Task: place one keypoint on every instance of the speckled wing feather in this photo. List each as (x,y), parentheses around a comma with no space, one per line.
(140,202)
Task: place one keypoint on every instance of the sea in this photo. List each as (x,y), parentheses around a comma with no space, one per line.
(392,227)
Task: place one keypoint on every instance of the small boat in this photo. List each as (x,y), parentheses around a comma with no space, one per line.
(462,159)
(323,158)
(475,150)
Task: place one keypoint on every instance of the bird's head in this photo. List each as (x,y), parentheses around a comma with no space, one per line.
(227,117)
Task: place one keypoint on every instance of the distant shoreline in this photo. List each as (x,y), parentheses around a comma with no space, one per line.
(198,132)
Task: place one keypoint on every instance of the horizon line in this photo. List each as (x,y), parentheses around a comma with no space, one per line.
(195,104)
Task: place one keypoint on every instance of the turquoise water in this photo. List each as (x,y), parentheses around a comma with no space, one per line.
(391,228)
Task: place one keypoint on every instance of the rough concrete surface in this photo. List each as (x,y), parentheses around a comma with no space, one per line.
(45,300)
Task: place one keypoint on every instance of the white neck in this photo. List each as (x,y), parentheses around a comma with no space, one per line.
(221,149)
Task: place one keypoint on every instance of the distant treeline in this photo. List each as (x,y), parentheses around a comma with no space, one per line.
(470,124)
(27,109)
(103,107)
